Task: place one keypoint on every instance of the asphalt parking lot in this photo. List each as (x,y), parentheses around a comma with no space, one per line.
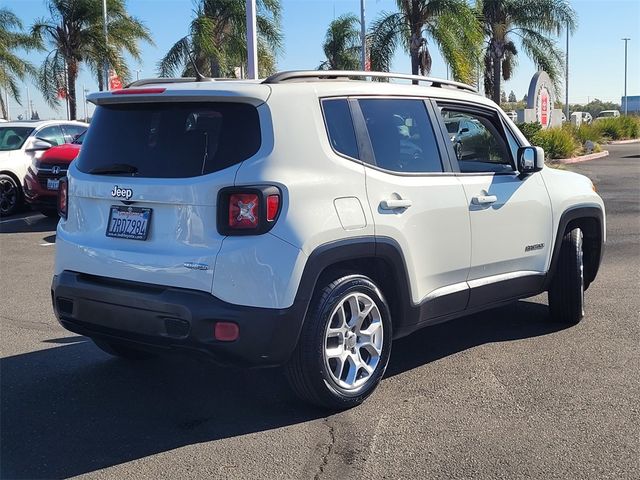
(502,394)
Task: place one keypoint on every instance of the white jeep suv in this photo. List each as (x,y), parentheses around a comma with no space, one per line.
(309,220)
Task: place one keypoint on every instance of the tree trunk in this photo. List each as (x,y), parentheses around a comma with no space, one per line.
(3,107)
(215,68)
(72,75)
(495,96)
(100,81)
(414,52)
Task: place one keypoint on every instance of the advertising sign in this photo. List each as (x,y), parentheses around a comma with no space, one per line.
(540,99)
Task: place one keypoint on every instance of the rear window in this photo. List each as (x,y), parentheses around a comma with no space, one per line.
(169,140)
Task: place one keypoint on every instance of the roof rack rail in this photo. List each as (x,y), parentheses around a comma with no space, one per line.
(311,75)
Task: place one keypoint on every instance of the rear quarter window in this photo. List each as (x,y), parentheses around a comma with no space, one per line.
(171,140)
(342,136)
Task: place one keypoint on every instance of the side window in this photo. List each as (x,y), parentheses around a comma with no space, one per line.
(342,135)
(401,135)
(513,144)
(482,147)
(52,134)
(73,131)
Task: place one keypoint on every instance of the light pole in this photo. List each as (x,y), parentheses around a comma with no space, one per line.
(138,74)
(252,40)
(363,37)
(566,80)
(626,100)
(84,97)
(106,43)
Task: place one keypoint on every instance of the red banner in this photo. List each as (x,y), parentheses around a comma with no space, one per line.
(114,81)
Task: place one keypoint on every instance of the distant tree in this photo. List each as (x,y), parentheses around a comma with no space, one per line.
(594,107)
(512,97)
(450,24)
(35,115)
(525,99)
(217,40)
(342,44)
(73,32)
(13,69)
(503,97)
(533,22)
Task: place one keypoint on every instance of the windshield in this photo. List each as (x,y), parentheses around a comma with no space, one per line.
(12,138)
(169,140)
(607,114)
(452,127)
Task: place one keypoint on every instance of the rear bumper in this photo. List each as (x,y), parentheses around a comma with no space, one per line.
(169,318)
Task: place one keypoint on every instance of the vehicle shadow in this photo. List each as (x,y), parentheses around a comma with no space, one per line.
(519,320)
(29,223)
(69,409)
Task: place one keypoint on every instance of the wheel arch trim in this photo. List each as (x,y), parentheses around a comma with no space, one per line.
(574,215)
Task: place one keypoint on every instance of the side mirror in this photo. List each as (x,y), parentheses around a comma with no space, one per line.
(39,145)
(530,160)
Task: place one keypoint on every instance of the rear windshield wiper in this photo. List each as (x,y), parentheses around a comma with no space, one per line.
(115,168)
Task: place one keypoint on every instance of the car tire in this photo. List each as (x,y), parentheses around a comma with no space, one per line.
(566,291)
(121,351)
(344,346)
(10,195)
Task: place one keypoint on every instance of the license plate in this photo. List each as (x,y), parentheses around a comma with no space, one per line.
(53,183)
(128,222)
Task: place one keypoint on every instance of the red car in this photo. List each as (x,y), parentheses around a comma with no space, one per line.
(44,174)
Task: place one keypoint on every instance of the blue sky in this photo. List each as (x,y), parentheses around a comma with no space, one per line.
(596,49)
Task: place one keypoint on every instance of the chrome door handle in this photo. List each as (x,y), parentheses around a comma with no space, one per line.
(484,199)
(395,203)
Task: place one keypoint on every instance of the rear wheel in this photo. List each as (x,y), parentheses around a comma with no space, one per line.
(122,351)
(344,346)
(566,292)
(10,196)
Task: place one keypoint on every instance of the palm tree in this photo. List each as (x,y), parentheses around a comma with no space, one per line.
(216,42)
(13,68)
(342,44)
(74,33)
(451,24)
(531,22)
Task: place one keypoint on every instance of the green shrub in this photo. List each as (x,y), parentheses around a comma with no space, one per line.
(587,132)
(556,142)
(630,127)
(529,130)
(611,128)
(618,128)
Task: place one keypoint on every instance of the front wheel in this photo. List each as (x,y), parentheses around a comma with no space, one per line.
(10,196)
(566,292)
(344,346)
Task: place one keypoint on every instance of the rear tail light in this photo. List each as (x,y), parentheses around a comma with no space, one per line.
(244,210)
(248,210)
(63,197)
(273,205)
(138,91)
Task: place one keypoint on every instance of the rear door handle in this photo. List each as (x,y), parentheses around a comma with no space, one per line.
(484,199)
(395,203)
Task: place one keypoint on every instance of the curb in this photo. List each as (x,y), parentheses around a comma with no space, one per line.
(584,158)
(624,142)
